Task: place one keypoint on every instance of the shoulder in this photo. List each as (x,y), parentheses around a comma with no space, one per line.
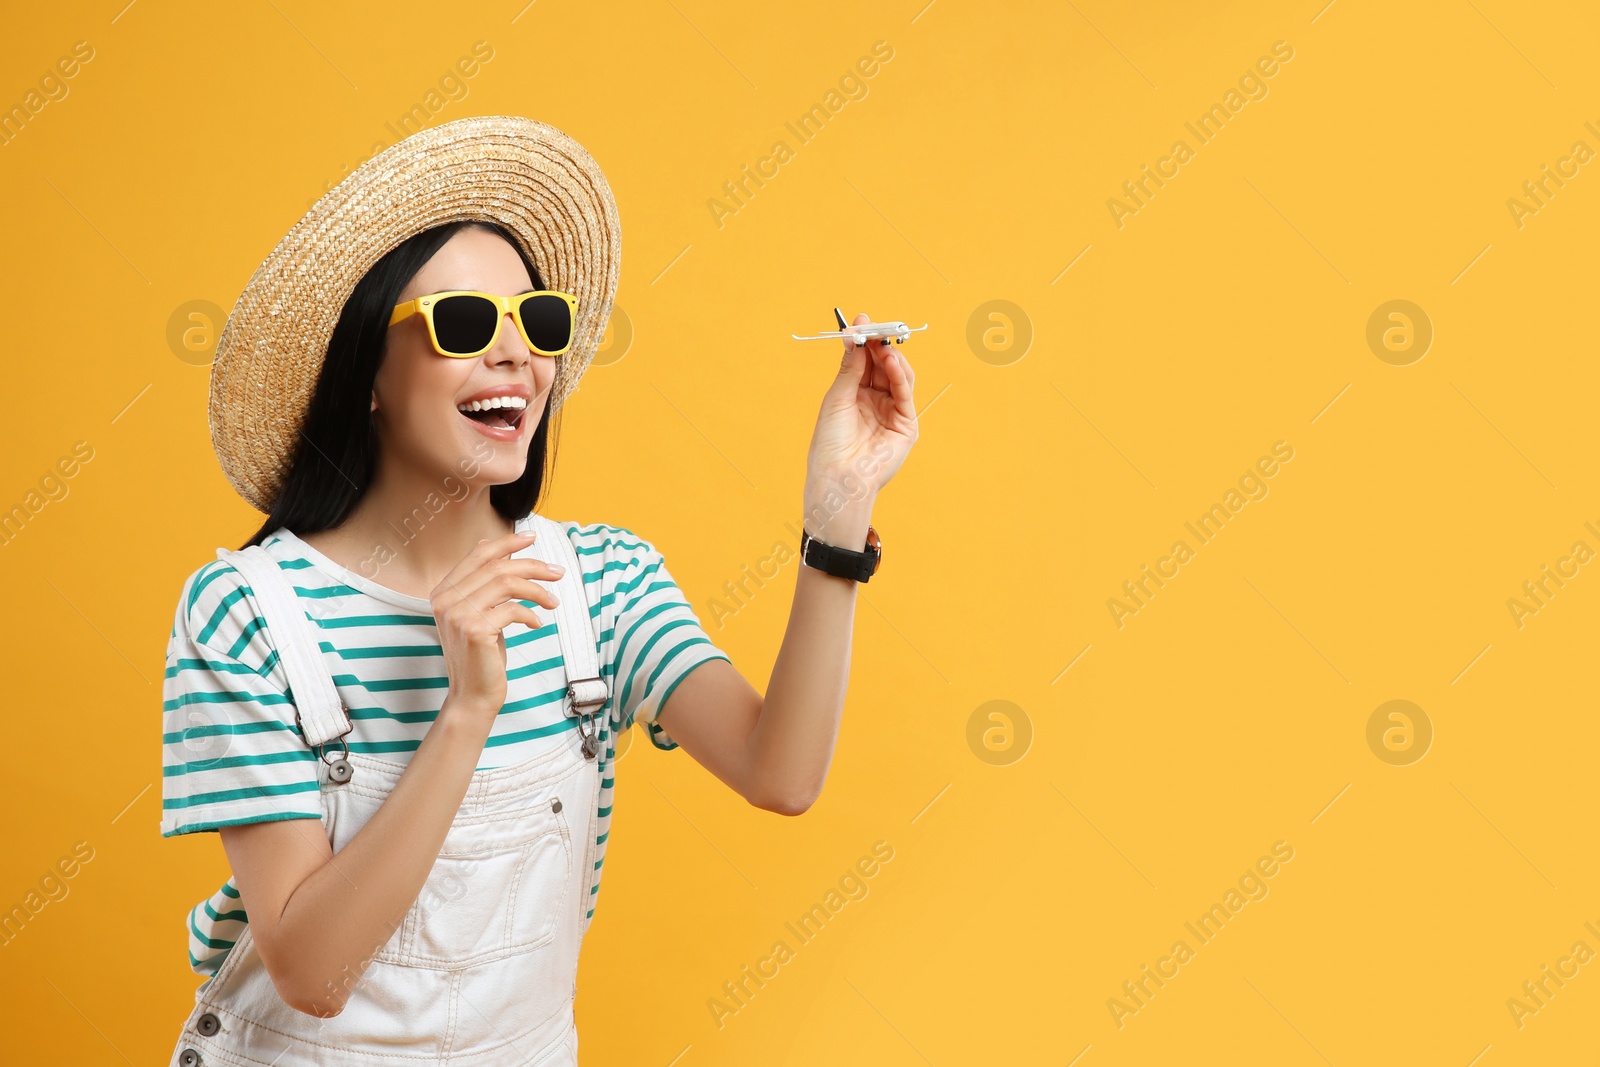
(217,610)
(618,562)
(604,542)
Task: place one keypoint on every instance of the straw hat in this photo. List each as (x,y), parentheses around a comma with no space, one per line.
(529,177)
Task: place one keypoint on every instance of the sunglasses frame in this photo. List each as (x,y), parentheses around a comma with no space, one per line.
(507,305)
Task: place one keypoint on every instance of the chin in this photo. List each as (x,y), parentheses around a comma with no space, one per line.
(504,472)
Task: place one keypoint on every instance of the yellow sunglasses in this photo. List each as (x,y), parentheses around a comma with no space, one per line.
(464,322)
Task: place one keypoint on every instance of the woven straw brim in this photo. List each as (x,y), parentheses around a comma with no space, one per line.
(529,177)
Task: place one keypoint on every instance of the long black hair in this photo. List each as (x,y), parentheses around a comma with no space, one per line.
(337,452)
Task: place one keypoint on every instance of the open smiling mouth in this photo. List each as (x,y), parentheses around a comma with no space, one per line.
(496,413)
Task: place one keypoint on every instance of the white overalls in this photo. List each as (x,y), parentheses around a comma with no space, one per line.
(483,970)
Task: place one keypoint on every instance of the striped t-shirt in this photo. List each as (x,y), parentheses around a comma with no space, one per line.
(232,753)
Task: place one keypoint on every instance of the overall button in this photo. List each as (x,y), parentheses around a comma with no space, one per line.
(207,1025)
(555,805)
(189,1058)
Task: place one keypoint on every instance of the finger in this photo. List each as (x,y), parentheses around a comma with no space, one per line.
(874,378)
(883,356)
(904,364)
(470,585)
(849,345)
(900,386)
(501,586)
(512,611)
(515,588)
(485,550)
(852,362)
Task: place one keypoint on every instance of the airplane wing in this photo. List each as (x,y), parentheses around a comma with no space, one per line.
(831,334)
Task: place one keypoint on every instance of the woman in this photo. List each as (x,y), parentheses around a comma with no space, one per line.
(373,657)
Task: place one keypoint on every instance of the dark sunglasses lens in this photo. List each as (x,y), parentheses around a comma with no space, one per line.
(464,324)
(548,322)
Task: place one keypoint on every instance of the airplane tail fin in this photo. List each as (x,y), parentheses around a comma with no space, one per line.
(843,325)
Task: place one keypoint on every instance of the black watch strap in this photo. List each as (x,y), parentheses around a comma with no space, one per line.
(842,562)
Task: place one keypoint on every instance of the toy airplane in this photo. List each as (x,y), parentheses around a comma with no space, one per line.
(867,331)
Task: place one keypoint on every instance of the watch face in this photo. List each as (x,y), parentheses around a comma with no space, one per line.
(877,548)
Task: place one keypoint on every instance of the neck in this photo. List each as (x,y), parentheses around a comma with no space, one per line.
(409,532)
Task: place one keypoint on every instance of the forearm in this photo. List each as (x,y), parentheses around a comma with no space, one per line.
(792,743)
(348,909)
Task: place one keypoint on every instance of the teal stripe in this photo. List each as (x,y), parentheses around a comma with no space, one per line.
(365,713)
(635,582)
(659,739)
(201,766)
(220,612)
(208,574)
(256,625)
(325,592)
(216,666)
(552,697)
(227,916)
(383,651)
(547,632)
(622,588)
(217,824)
(643,655)
(245,793)
(375,747)
(219,729)
(392,685)
(536,667)
(498,740)
(227,696)
(615,565)
(208,942)
(358,621)
(610,542)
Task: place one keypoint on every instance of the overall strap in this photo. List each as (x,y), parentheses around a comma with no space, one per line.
(576,628)
(319,712)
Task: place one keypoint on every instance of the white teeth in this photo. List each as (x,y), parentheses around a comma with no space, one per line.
(494,402)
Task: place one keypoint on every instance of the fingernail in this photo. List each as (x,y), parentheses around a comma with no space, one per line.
(558,568)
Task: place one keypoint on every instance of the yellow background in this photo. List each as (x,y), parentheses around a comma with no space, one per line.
(1229,313)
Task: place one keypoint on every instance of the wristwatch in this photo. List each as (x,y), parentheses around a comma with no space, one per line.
(841,562)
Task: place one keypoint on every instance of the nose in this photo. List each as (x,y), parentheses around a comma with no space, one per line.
(508,347)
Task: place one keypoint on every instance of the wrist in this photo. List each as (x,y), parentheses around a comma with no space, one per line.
(837,554)
(465,715)
(840,522)
(828,494)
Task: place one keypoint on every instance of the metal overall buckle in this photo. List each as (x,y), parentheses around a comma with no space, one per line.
(339,770)
(586,726)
